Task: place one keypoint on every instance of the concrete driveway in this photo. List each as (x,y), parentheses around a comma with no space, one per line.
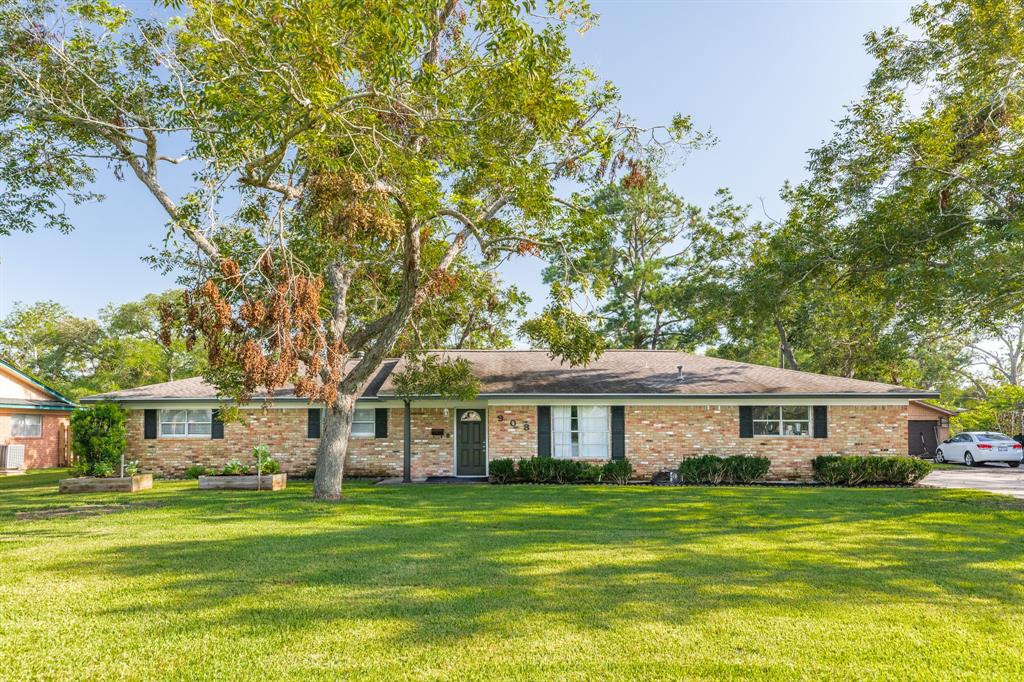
(992,478)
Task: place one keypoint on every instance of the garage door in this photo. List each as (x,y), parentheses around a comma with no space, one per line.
(921,437)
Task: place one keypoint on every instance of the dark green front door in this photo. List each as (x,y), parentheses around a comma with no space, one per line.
(470,455)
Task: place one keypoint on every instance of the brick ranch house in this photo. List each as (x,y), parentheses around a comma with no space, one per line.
(35,416)
(653,407)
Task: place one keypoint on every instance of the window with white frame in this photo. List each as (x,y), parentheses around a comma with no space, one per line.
(186,423)
(580,431)
(364,422)
(782,420)
(26,425)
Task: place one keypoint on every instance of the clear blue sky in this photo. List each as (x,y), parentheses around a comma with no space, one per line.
(768,78)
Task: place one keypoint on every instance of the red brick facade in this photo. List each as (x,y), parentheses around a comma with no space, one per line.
(284,430)
(41,452)
(657,437)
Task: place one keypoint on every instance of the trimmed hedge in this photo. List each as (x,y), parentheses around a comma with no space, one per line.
(860,470)
(551,470)
(502,470)
(712,470)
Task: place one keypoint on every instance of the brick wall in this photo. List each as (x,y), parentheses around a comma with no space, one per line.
(42,452)
(657,438)
(284,430)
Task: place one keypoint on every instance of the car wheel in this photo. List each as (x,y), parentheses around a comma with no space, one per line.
(968,459)
(1014,464)
(939,457)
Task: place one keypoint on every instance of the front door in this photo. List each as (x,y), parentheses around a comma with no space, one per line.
(470,453)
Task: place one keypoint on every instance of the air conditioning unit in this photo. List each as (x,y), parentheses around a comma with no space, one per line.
(12,456)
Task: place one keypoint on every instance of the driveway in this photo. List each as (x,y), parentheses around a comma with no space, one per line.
(993,478)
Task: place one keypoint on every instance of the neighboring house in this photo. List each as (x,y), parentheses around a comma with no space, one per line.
(654,407)
(34,415)
(928,426)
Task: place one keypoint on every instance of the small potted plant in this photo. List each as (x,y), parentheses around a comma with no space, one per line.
(236,475)
(99,438)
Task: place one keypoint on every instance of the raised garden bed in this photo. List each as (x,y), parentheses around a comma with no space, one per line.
(252,482)
(94,484)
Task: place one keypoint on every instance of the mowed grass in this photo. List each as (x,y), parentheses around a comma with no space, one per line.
(517,582)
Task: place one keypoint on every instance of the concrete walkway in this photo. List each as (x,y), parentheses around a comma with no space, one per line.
(992,478)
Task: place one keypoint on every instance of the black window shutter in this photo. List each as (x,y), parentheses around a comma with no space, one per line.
(149,424)
(821,421)
(380,426)
(543,431)
(618,432)
(313,422)
(216,426)
(746,421)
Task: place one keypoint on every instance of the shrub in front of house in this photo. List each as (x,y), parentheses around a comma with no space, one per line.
(98,438)
(617,471)
(502,470)
(746,469)
(702,470)
(712,470)
(852,470)
(551,470)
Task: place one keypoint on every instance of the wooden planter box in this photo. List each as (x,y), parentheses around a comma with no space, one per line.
(265,482)
(90,484)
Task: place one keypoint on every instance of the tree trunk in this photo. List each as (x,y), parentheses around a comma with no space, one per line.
(330,459)
(785,347)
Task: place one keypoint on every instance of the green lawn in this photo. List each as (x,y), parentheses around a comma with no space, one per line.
(520,582)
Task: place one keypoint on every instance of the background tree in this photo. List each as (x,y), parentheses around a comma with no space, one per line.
(80,356)
(653,263)
(50,343)
(921,189)
(339,159)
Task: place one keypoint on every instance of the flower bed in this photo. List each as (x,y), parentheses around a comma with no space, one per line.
(253,482)
(111,484)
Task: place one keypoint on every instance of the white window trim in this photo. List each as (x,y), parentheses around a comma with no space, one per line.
(39,417)
(780,421)
(372,422)
(183,436)
(608,432)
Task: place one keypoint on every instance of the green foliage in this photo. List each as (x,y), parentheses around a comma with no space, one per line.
(1001,409)
(712,470)
(131,467)
(436,375)
(195,471)
(99,437)
(590,473)
(860,470)
(551,470)
(81,356)
(617,471)
(502,470)
(235,468)
(657,264)
(101,469)
(269,466)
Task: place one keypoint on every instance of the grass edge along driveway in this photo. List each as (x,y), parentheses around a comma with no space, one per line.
(516,582)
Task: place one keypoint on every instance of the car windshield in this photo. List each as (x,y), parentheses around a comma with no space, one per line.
(985,437)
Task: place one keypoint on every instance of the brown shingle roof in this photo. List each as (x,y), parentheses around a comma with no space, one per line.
(639,372)
(616,372)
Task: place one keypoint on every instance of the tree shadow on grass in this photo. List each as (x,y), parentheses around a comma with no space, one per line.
(447,563)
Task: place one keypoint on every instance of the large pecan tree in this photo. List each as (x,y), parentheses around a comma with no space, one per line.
(326,166)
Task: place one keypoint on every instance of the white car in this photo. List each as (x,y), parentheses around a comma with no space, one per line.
(975,447)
